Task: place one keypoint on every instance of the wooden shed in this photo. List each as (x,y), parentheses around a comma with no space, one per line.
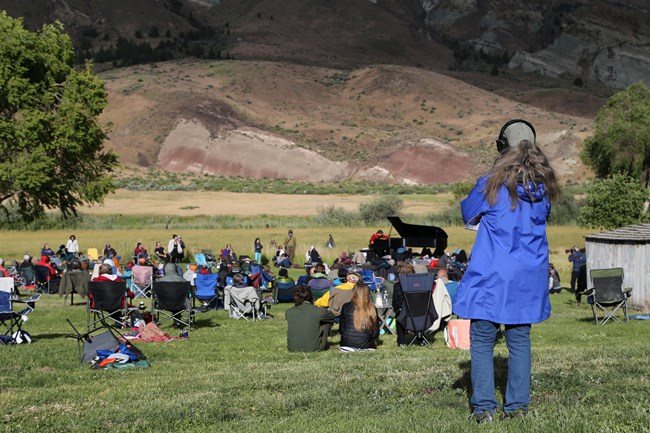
(627,248)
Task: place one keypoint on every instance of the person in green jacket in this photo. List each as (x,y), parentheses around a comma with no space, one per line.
(308,325)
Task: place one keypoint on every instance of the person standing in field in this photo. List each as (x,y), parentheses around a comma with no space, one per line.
(506,282)
(290,245)
(72,245)
(258,250)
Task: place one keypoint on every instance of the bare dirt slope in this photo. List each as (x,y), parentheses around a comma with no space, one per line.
(270,119)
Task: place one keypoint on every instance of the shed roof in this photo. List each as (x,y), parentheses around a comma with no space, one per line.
(636,233)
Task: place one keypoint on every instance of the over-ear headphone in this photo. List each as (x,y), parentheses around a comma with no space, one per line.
(502,141)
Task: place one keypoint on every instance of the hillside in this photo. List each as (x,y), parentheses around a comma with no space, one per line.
(410,91)
(270,119)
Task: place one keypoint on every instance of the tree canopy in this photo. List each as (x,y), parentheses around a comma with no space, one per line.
(614,202)
(621,142)
(51,145)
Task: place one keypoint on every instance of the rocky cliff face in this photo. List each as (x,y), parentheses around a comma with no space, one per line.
(600,41)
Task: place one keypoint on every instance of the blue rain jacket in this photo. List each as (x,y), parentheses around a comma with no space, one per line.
(507,278)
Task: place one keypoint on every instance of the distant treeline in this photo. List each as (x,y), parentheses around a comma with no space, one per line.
(206,42)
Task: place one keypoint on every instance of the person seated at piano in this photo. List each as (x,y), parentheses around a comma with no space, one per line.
(378,236)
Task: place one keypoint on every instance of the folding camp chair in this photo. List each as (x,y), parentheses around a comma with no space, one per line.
(74,282)
(92,254)
(418,313)
(209,258)
(368,277)
(230,281)
(205,291)
(242,302)
(170,299)
(200,259)
(11,320)
(27,275)
(93,342)
(607,293)
(42,279)
(284,291)
(106,300)
(141,281)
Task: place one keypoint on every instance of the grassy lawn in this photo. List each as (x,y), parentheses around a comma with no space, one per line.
(238,376)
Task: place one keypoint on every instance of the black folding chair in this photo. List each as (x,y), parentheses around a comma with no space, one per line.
(608,294)
(106,300)
(171,299)
(42,279)
(418,313)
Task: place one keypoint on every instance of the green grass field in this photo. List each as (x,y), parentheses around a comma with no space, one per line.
(238,376)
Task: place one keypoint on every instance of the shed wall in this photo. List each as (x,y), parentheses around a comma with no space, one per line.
(634,258)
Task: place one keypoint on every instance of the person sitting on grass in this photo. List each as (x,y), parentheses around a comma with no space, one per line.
(283,261)
(47,251)
(339,295)
(140,252)
(359,326)
(160,252)
(307,326)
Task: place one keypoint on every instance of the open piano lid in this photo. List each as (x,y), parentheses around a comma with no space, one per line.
(415,235)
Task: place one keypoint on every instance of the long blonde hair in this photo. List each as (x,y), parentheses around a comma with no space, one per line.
(523,164)
(365,314)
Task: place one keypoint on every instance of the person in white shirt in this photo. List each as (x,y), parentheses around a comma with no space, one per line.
(72,246)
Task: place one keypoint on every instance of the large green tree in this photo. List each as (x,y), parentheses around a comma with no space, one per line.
(614,202)
(51,145)
(621,142)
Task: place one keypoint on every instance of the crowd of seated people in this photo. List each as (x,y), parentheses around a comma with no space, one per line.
(338,295)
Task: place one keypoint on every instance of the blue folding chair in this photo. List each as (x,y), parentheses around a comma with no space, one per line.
(11,321)
(368,277)
(206,290)
(284,291)
(200,259)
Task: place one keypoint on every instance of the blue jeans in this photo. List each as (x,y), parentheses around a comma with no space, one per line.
(483,336)
(258,257)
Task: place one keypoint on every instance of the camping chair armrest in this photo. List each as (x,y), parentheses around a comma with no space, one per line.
(627,291)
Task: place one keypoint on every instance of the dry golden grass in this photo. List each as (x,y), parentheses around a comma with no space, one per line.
(192,203)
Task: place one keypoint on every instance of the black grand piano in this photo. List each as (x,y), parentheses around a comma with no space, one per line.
(412,235)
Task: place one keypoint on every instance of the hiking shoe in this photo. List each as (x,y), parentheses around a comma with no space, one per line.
(481,417)
(515,414)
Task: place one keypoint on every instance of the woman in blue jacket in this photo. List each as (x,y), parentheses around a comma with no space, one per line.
(506,282)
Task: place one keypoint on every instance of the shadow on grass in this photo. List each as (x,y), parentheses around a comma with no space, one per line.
(205,323)
(55,336)
(464,382)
